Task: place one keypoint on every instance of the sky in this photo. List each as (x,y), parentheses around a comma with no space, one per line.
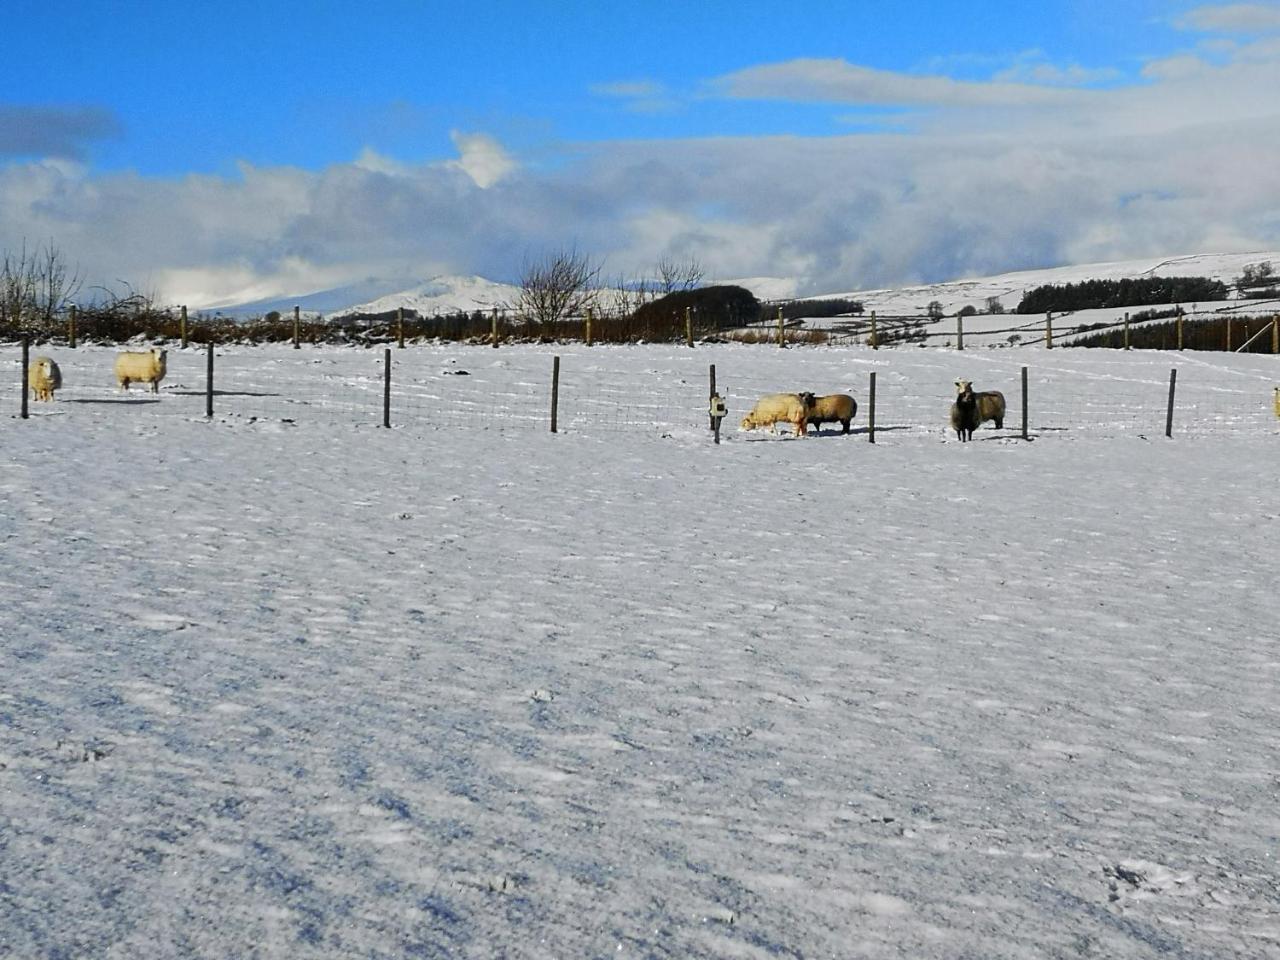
(216,154)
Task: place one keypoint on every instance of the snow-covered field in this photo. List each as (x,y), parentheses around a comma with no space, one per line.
(287,684)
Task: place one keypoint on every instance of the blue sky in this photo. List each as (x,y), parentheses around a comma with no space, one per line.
(468,139)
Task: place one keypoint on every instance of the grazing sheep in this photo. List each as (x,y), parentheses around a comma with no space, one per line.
(43,377)
(964,412)
(990,403)
(775,408)
(146,367)
(833,408)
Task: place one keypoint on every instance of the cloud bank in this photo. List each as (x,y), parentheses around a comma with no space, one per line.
(54,132)
(1035,167)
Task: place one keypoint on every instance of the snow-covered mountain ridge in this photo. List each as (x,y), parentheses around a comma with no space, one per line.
(453,293)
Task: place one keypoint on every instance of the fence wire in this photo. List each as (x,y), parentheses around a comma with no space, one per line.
(619,391)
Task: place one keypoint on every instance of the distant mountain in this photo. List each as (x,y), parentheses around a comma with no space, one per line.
(441,295)
(1009,288)
(324,302)
(451,294)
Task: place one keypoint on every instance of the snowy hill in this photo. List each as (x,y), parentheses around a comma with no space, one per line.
(450,294)
(442,295)
(1010,287)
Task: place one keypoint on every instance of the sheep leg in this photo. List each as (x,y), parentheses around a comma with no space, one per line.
(844,426)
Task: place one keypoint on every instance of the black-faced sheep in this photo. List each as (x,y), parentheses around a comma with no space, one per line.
(990,403)
(833,408)
(775,408)
(964,413)
(43,377)
(146,367)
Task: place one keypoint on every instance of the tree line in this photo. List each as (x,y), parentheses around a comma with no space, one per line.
(1126,292)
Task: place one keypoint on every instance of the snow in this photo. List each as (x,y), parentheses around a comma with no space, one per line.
(287,684)
(443,295)
(1010,287)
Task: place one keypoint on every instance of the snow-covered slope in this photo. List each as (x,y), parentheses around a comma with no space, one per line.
(286,684)
(442,295)
(1009,287)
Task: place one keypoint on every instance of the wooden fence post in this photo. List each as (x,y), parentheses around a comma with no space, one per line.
(713,393)
(26,372)
(386,387)
(871,409)
(781,341)
(71,327)
(555,392)
(182,325)
(208,380)
(1048,330)
(1229,331)
(297,321)
(400,327)
(1126,330)
(1275,334)
(959,333)
(688,326)
(587,337)
(1024,404)
(875,340)
(1168,420)
(493,329)
(1179,328)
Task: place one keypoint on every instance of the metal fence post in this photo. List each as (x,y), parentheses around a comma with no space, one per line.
(1024,403)
(871,409)
(26,372)
(712,395)
(555,392)
(386,388)
(208,380)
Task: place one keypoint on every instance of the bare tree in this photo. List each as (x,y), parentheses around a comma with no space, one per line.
(676,275)
(627,295)
(561,285)
(57,285)
(35,286)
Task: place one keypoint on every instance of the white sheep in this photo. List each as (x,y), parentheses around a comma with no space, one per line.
(833,408)
(43,377)
(990,403)
(146,367)
(775,408)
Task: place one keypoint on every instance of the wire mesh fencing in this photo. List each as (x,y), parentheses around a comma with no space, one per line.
(663,390)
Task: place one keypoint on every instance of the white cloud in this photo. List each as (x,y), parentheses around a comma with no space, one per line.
(838,81)
(482,159)
(1232,18)
(990,177)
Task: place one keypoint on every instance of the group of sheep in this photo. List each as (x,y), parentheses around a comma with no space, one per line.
(44,376)
(800,410)
(968,412)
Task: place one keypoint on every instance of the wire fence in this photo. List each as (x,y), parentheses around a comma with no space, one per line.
(666,392)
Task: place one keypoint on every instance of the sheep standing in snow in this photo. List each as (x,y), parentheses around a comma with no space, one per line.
(964,412)
(775,408)
(146,367)
(43,377)
(990,403)
(833,408)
